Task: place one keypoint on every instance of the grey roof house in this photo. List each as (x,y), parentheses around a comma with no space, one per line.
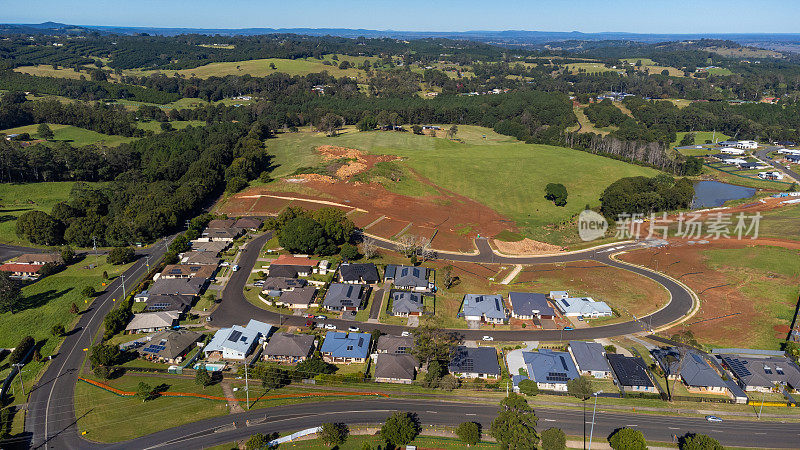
(695,372)
(394,344)
(395,368)
(406,303)
(152,321)
(344,297)
(163,302)
(527,305)
(299,298)
(590,358)
(763,373)
(358,273)
(288,348)
(550,370)
(408,277)
(484,308)
(176,286)
(470,362)
(631,373)
(169,346)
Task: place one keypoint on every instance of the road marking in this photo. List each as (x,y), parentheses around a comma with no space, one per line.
(627,425)
(673,428)
(549,420)
(471,414)
(432,412)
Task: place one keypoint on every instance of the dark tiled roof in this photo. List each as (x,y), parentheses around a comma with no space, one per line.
(287,344)
(367,273)
(389,365)
(474,360)
(630,371)
(340,295)
(530,304)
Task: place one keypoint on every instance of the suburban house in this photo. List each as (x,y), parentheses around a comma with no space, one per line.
(474,362)
(23,271)
(395,368)
(288,348)
(248,223)
(528,305)
(770,175)
(294,266)
(762,374)
(732,151)
(177,286)
(747,145)
(590,359)
(237,342)
(695,372)
(583,307)
(204,258)
(344,297)
(345,348)
(227,235)
(558,295)
(169,346)
(221,223)
(200,271)
(631,373)
(274,286)
(163,302)
(40,259)
(358,273)
(299,298)
(408,277)
(213,248)
(394,344)
(550,370)
(406,303)
(153,321)
(141,297)
(484,308)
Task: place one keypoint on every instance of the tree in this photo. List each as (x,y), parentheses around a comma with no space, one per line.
(400,429)
(202,377)
(348,252)
(73,308)
(687,139)
(367,123)
(699,442)
(447,276)
(333,434)
(144,391)
(329,123)
(57,330)
(88,291)
(304,235)
(40,228)
(312,367)
(10,294)
(67,254)
(432,343)
(554,439)
(580,387)
(469,432)
(452,131)
(104,355)
(44,132)
(120,255)
(556,193)
(166,126)
(368,248)
(416,129)
(627,439)
(528,387)
(449,382)
(515,425)
(273,378)
(257,441)
(235,184)
(436,370)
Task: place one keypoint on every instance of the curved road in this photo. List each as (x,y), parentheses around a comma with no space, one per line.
(235,309)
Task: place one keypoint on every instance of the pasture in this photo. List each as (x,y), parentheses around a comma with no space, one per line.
(73,135)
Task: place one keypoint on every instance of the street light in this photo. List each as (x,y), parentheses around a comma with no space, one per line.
(594,410)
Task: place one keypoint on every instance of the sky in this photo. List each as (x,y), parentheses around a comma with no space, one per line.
(637,16)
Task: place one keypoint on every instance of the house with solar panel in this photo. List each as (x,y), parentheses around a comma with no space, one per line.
(169,346)
(694,371)
(344,297)
(585,307)
(409,277)
(550,370)
(199,271)
(484,308)
(756,373)
(406,303)
(345,348)
(631,373)
(471,362)
(237,343)
(358,273)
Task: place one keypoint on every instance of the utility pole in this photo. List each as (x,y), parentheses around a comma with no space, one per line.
(506,389)
(19,373)
(246,385)
(123,286)
(594,410)
(761,408)
(147,261)
(94,247)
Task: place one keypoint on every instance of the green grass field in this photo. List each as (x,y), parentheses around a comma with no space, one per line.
(46,70)
(590,67)
(781,223)
(504,174)
(700,137)
(16,199)
(726,177)
(73,135)
(155,126)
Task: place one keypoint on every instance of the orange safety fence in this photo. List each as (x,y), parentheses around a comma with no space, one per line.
(122,393)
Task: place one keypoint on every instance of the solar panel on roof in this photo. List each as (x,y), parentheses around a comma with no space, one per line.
(235,335)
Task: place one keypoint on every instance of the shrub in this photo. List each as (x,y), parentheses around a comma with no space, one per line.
(118,256)
(528,387)
(21,350)
(554,439)
(469,432)
(627,439)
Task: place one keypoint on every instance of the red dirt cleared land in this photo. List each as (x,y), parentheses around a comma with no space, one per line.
(446,212)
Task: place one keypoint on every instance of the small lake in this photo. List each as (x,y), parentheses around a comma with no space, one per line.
(710,194)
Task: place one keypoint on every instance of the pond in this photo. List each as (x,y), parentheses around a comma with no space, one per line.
(710,194)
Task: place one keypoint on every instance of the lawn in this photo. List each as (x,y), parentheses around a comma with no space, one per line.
(155,126)
(75,136)
(505,175)
(700,137)
(359,442)
(586,125)
(16,199)
(728,177)
(782,223)
(106,417)
(46,70)
(590,67)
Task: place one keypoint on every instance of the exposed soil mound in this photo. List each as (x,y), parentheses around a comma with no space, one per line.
(526,247)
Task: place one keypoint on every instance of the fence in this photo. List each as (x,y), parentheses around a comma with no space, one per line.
(294,436)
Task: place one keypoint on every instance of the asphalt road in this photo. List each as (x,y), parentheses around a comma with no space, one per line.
(235,309)
(220,430)
(46,422)
(762,155)
(12,251)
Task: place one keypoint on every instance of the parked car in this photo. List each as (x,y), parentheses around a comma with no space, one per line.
(208,319)
(353,329)
(488,338)
(224,264)
(567,328)
(320,317)
(405,334)
(580,318)
(308,316)
(353,313)
(330,326)
(713,419)
(235,267)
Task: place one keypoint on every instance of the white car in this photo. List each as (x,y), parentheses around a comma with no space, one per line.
(713,419)
(224,264)
(488,338)
(330,326)
(353,329)
(405,334)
